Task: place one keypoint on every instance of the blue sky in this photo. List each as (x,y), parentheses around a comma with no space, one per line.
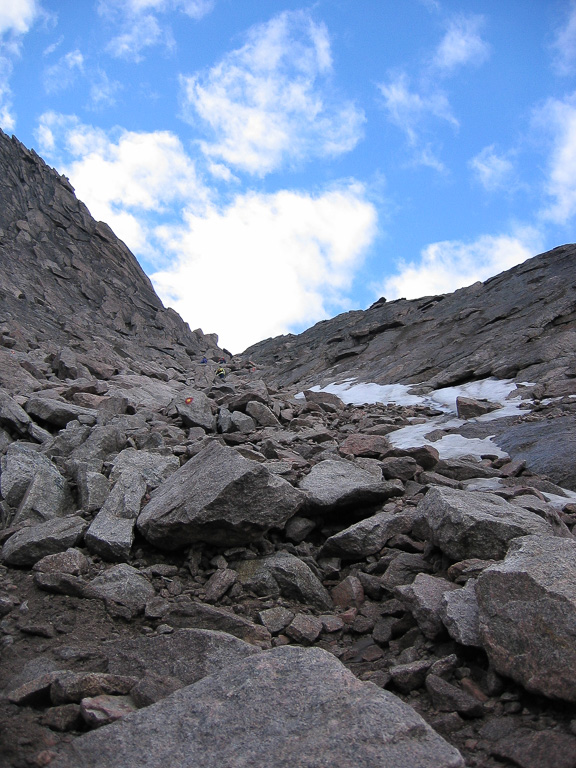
(272,163)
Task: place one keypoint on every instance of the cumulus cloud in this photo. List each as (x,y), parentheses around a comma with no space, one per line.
(492,170)
(269,104)
(266,263)
(446,266)
(558,118)
(128,179)
(461,45)
(16,19)
(140,23)
(564,45)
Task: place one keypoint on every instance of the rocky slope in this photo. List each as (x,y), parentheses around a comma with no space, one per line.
(223,573)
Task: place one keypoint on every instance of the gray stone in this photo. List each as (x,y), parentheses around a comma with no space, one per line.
(459,614)
(202,616)
(261,414)
(195,410)
(93,488)
(20,464)
(449,698)
(336,484)
(186,655)
(48,496)
(368,536)
(423,598)
(155,468)
(276,619)
(242,422)
(469,408)
(12,415)
(271,709)
(125,585)
(217,497)
(481,525)
(527,609)
(111,533)
(57,412)
(31,544)
(404,569)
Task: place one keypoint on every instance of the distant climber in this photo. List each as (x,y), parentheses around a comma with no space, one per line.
(204,361)
(221,373)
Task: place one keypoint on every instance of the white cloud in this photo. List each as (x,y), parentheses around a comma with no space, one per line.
(462,44)
(558,118)
(492,170)
(62,74)
(16,19)
(267,262)
(446,266)
(412,112)
(125,180)
(564,45)
(103,90)
(140,23)
(268,103)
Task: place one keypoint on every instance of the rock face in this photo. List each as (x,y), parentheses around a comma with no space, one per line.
(520,324)
(228,573)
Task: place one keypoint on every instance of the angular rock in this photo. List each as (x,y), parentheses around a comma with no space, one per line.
(404,569)
(349,593)
(476,525)
(12,415)
(460,616)
(448,698)
(423,598)
(29,545)
(261,414)
(217,497)
(304,628)
(72,687)
(270,708)
(19,466)
(72,561)
(364,445)
(58,412)
(48,496)
(276,619)
(242,422)
(527,612)
(469,408)
(155,468)
(125,585)
(105,709)
(337,484)
(366,537)
(195,410)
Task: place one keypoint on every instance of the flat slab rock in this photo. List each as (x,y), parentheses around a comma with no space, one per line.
(285,707)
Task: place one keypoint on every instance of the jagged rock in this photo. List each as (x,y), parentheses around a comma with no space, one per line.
(423,598)
(290,575)
(469,408)
(12,415)
(364,445)
(48,496)
(527,613)
(276,619)
(71,687)
(304,628)
(242,422)
(349,593)
(459,614)
(408,677)
(102,710)
(403,570)
(368,536)
(155,468)
(268,722)
(31,544)
(93,488)
(217,497)
(464,524)
(195,410)
(261,414)
(19,466)
(72,561)
(463,469)
(58,412)
(111,533)
(336,484)
(536,749)
(125,585)
(448,698)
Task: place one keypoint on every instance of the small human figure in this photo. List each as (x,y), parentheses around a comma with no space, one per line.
(204,360)
(221,373)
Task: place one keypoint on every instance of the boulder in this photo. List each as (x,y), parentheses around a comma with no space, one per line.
(28,545)
(334,484)
(124,585)
(195,410)
(282,707)
(58,412)
(476,525)
(423,598)
(217,497)
(366,537)
(201,616)
(527,615)
(261,414)
(459,614)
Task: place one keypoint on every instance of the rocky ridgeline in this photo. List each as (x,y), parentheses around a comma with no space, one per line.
(200,572)
(71,292)
(272,572)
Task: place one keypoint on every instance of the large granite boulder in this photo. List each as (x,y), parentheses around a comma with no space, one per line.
(285,707)
(220,498)
(28,545)
(465,524)
(527,615)
(368,536)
